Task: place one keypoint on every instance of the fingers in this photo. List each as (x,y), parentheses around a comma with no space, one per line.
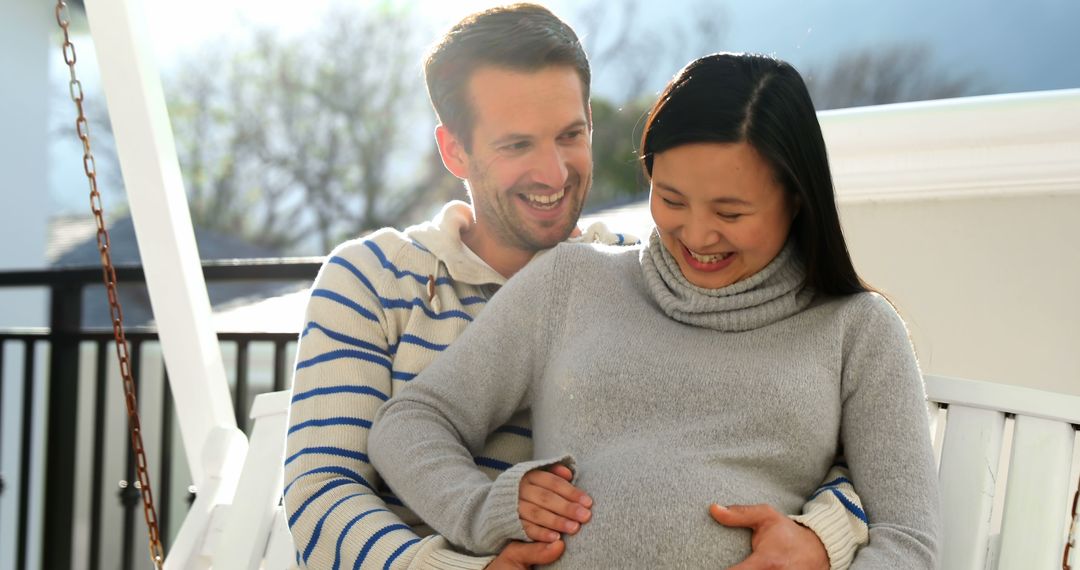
(550,511)
(562,471)
(744,516)
(539,533)
(548,504)
(521,555)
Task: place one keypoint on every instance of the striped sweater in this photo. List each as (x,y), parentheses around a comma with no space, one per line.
(381,309)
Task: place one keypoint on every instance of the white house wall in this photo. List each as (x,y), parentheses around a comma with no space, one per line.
(987,286)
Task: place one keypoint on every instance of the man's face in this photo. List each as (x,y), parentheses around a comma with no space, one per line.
(530,166)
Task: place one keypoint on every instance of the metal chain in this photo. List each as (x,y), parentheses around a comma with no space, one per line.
(1073,531)
(82,127)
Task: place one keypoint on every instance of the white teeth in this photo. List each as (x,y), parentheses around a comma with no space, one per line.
(545,201)
(708,258)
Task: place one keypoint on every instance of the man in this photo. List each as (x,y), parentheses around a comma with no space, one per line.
(511,89)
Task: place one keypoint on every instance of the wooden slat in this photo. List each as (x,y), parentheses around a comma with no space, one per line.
(1004,398)
(969,463)
(1036,496)
(248,523)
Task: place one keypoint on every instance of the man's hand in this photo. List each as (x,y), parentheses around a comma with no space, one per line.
(777,542)
(522,555)
(548,504)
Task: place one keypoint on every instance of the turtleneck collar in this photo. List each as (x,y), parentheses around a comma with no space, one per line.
(770,295)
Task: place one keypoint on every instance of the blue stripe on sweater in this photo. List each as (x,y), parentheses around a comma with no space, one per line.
(356,272)
(516,430)
(391,499)
(335,421)
(840,496)
(403,376)
(419,303)
(400,549)
(318,527)
(336,470)
(343,353)
(400,303)
(492,463)
(333,484)
(329,450)
(340,337)
(339,298)
(328,390)
(850,506)
(836,482)
(345,531)
(399,273)
(375,538)
(622,239)
(415,340)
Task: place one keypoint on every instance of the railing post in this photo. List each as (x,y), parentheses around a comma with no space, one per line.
(61,424)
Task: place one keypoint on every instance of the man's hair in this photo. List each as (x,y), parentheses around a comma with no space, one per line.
(519,37)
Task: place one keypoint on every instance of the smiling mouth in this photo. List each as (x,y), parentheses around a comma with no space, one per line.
(544,201)
(708,259)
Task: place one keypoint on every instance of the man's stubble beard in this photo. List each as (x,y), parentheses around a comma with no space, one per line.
(509,229)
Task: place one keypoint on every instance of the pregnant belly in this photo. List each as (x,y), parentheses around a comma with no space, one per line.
(653,513)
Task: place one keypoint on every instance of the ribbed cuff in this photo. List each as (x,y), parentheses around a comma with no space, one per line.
(501,521)
(435,554)
(840,532)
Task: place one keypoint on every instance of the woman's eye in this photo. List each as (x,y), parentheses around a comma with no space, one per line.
(671,203)
(729,217)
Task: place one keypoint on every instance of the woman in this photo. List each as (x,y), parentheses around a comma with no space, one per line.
(728,360)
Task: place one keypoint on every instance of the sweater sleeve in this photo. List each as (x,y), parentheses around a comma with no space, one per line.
(835,513)
(885,433)
(343,374)
(424,438)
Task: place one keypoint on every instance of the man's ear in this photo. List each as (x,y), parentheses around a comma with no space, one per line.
(452,151)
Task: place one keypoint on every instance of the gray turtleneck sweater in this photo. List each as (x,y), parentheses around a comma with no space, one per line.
(668,398)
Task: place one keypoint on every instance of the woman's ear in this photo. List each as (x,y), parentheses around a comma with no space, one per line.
(794,204)
(452,151)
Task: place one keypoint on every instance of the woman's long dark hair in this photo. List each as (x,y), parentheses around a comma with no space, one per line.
(763,101)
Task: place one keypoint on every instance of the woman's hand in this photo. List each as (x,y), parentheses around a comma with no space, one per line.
(548,504)
(777,542)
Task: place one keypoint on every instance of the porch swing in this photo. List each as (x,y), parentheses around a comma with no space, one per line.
(237,521)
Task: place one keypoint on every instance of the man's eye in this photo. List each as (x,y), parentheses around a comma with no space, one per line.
(516,146)
(572,135)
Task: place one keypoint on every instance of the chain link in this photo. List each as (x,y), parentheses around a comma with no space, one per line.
(82,127)
(1073,530)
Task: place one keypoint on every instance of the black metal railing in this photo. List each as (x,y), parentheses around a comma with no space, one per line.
(68,344)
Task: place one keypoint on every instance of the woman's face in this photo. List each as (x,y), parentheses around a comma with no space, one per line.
(719,210)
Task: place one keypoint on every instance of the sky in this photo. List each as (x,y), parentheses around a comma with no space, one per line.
(1021,44)
(1012,45)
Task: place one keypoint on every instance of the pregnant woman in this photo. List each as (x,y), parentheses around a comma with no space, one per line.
(729,360)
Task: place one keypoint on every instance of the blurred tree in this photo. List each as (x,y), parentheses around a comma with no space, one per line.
(289,140)
(890,74)
(630,56)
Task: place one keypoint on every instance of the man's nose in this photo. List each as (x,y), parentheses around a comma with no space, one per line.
(551,168)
